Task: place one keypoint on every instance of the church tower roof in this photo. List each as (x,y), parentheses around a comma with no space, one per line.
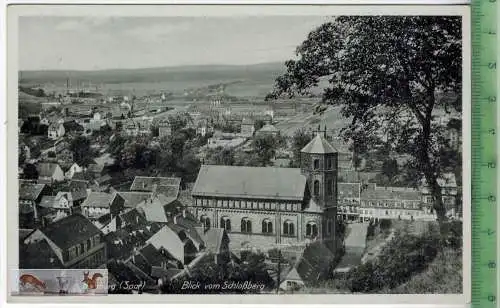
(319,145)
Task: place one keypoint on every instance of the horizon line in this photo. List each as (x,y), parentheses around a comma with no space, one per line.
(150,67)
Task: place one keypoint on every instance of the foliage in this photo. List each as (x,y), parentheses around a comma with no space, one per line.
(404,256)
(82,153)
(299,140)
(259,124)
(266,146)
(30,172)
(220,156)
(388,74)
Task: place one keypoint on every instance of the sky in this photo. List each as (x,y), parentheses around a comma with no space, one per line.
(95,43)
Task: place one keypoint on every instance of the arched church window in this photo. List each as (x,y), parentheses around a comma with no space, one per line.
(225,223)
(311,229)
(267,226)
(246,225)
(205,221)
(316,187)
(316,164)
(288,228)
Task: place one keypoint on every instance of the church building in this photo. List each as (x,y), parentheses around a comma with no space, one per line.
(266,207)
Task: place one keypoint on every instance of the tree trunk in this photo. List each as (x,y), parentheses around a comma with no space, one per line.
(430,174)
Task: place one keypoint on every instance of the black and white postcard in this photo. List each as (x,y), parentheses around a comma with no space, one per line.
(278,151)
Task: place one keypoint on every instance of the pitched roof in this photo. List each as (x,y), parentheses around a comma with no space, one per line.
(314,262)
(98,199)
(349,190)
(38,255)
(319,145)
(213,239)
(30,191)
(143,183)
(391,193)
(154,208)
(250,182)
(169,240)
(152,255)
(46,169)
(70,230)
(78,194)
(47,201)
(133,198)
(96,168)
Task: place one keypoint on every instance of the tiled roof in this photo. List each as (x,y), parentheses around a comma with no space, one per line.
(48,201)
(349,190)
(133,217)
(133,198)
(390,193)
(250,182)
(70,230)
(95,168)
(46,169)
(213,239)
(155,208)
(169,240)
(152,255)
(142,183)
(314,262)
(319,145)
(79,194)
(30,191)
(269,128)
(38,255)
(98,199)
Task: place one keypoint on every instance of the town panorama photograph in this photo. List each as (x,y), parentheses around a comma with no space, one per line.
(240,155)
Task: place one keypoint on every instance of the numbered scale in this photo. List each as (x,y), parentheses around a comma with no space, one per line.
(485,195)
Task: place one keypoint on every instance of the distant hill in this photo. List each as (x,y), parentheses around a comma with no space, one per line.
(217,73)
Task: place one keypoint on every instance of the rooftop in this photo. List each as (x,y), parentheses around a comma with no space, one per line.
(250,182)
(319,145)
(70,230)
(98,199)
(30,191)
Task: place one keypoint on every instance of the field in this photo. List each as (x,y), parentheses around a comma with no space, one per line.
(245,81)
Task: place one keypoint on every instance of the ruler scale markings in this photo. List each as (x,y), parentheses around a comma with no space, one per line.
(484,153)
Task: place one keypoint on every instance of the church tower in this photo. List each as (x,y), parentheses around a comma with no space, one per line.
(319,164)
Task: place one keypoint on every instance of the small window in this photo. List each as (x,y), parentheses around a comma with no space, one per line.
(267,226)
(329,187)
(329,163)
(316,164)
(316,188)
(246,225)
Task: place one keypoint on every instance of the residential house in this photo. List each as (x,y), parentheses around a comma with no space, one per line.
(313,265)
(75,168)
(74,240)
(99,204)
(56,131)
(247,127)
(164,129)
(166,239)
(30,196)
(268,130)
(216,241)
(49,173)
(349,200)
(168,186)
(449,191)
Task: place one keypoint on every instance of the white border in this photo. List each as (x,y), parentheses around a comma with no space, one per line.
(213,10)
